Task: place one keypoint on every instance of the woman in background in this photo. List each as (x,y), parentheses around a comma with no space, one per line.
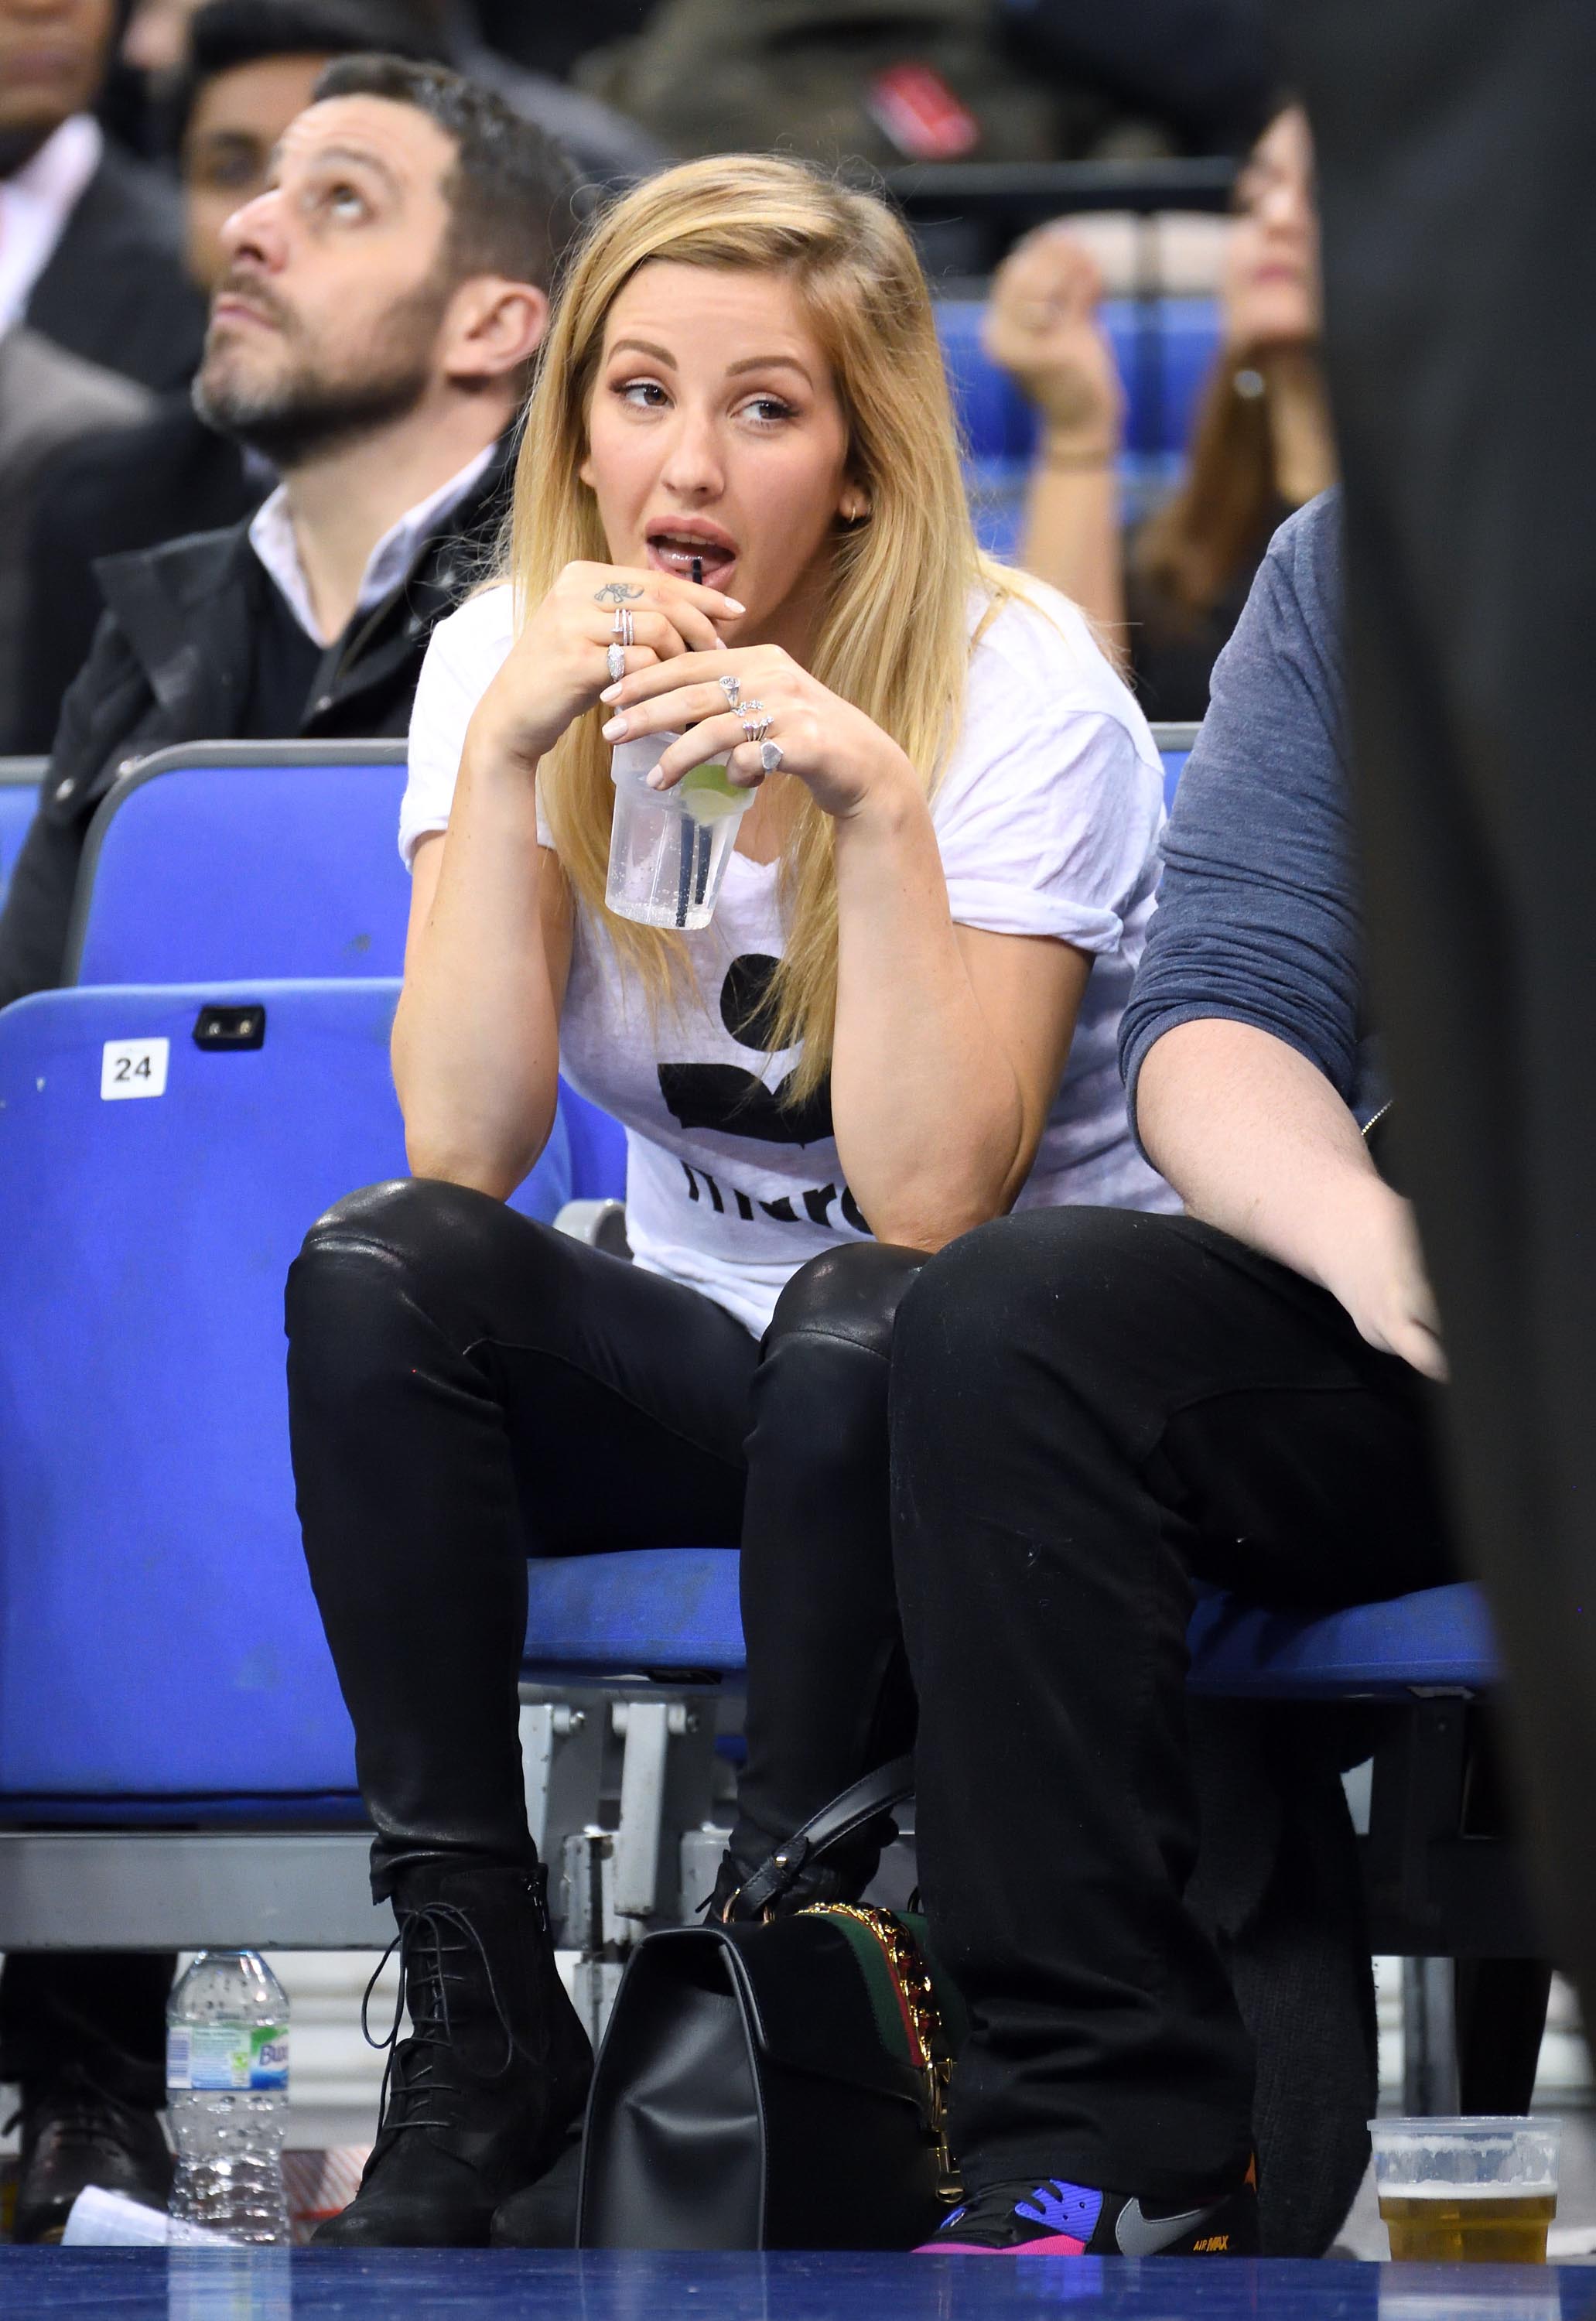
(1169,596)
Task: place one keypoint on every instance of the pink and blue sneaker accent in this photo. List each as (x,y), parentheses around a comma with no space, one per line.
(1056,2218)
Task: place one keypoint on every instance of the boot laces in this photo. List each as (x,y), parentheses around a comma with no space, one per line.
(429,1938)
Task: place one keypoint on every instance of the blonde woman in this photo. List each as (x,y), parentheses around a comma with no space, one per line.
(901,1023)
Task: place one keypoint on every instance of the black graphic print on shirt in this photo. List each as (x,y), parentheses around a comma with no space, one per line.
(736,1103)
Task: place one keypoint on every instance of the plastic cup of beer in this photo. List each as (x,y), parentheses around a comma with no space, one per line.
(669,849)
(1469,2192)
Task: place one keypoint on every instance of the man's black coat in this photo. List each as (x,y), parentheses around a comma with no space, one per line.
(172,661)
(104,497)
(115,291)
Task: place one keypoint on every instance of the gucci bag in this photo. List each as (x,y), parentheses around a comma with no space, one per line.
(780,2085)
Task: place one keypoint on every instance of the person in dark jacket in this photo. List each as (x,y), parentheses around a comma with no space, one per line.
(252,67)
(90,239)
(372,336)
(49,399)
(1170,591)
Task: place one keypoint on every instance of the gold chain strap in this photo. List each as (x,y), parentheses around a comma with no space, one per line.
(931,2058)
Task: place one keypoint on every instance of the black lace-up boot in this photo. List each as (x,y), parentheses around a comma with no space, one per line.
(478,2100)
(74,2134)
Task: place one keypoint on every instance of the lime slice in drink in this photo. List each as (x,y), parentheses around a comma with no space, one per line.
(708,793)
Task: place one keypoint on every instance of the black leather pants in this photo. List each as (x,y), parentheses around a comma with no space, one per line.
(467,1389)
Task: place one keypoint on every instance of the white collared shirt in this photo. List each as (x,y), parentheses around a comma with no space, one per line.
(35,205)
(271,536)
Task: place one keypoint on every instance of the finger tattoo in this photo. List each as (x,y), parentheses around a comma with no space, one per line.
(616,592)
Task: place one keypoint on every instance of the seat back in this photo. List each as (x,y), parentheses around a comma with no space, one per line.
(19,797)
(242,859)
(158,1634)
(1175,741)
(597,1145)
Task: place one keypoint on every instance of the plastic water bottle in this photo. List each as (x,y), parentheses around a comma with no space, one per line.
(227,2091)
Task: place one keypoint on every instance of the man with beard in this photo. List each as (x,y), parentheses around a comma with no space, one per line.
(371,339)
(253,66)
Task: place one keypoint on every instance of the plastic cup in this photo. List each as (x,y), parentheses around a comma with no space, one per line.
(1471,2191)
(669,849)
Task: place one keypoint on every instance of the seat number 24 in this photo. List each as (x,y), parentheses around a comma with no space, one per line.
(134,1068)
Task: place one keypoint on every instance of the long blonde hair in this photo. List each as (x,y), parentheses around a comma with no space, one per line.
(895,639)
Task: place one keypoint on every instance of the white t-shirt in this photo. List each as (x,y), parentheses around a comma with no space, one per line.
(1047,818)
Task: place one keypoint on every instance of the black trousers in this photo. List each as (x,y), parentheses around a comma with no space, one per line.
(1090,1409)
(1457,176)
(467,1389)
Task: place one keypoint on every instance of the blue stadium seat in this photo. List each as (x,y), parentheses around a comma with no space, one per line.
(654,1608)
(1175,740)
(19,796)
(1166,348)
(597,1145)
(1439,1640)
(651,1609)
(236,860)
(158,1637)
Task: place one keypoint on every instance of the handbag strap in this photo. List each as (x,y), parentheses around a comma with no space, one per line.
(877,1793)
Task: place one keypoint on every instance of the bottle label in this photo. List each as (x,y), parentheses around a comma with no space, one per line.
(227,2055)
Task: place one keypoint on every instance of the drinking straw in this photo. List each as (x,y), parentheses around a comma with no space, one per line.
(691,884)
(687,847)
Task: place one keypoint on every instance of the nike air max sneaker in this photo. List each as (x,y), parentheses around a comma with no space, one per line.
(1059,2219)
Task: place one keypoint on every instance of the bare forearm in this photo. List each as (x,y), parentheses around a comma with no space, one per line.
(928,1113)
(1071,535)
(476,1040)
(1257,1141)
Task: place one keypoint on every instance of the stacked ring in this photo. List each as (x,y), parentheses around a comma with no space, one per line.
(731,688)
(623,626)
(756,720)
(616,656)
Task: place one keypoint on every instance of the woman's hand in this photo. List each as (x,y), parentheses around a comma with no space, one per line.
(833,748)
(560,660)
(1378,1275)
(1042,327)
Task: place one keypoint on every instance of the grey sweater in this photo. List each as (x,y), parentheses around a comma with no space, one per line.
(1258,917)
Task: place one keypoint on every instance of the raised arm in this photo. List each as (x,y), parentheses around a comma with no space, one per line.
(475,1039)
(1042,327)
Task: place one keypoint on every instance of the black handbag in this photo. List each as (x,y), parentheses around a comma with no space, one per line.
(781,2085)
